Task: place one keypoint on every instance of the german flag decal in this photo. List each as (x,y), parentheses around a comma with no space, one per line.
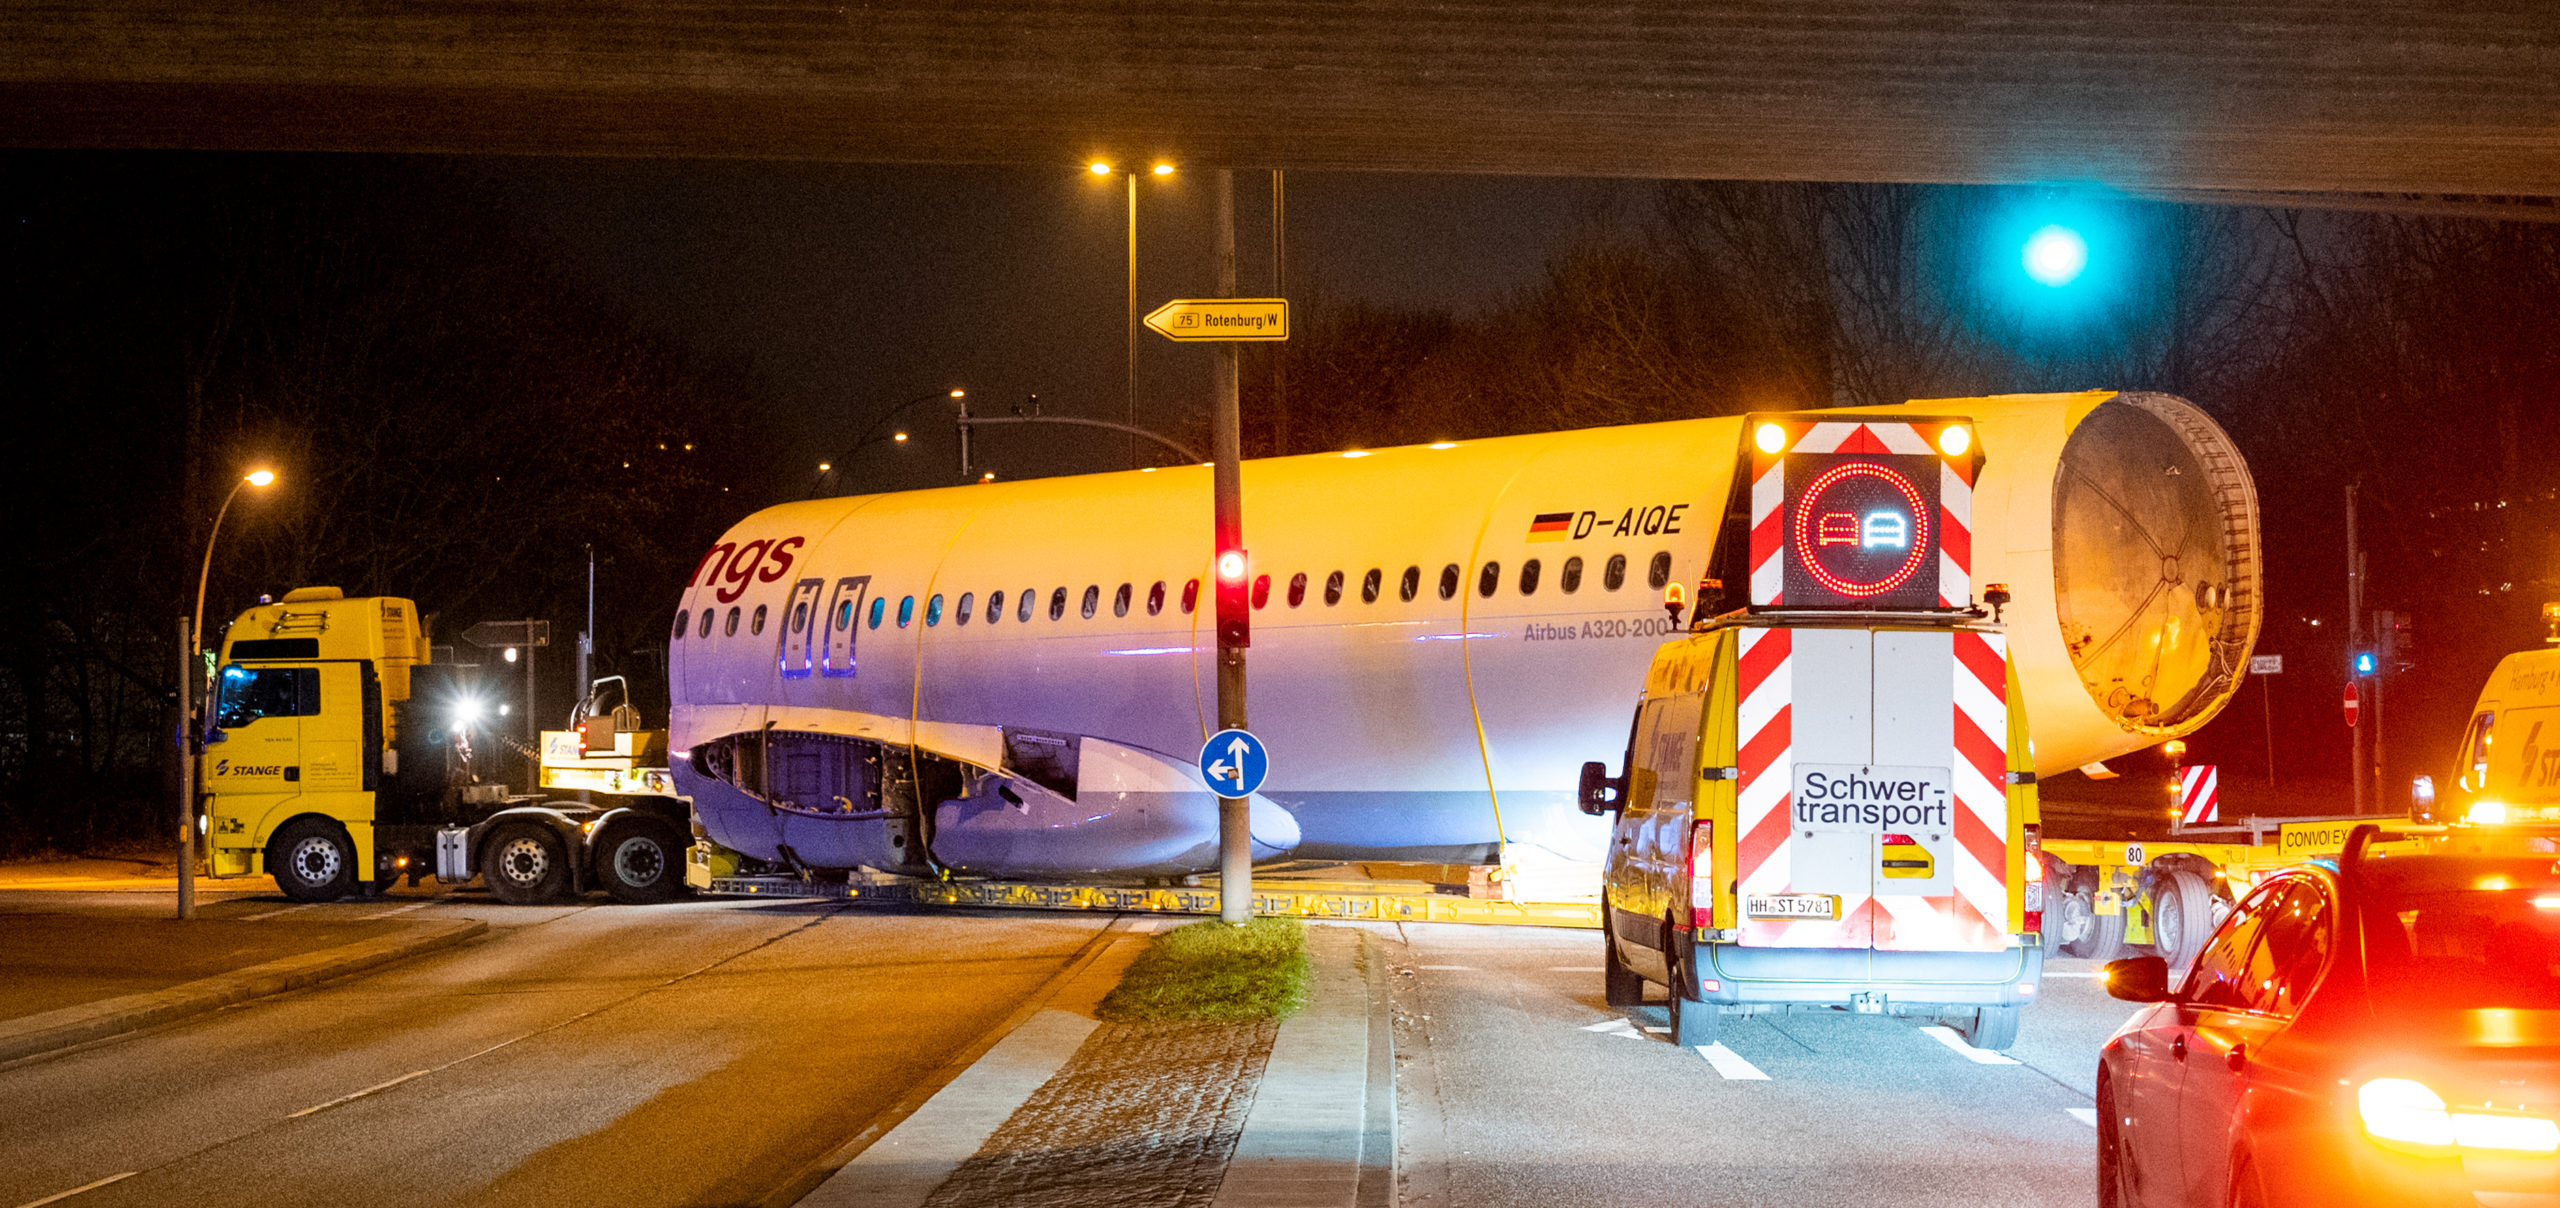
(1550,526)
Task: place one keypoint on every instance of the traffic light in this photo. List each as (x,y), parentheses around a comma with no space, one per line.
(2398,633)
(2055,255)
(1235,612)
(2364,663)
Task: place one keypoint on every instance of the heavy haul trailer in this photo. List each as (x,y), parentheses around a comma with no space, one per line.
(1827,799)
(339,757)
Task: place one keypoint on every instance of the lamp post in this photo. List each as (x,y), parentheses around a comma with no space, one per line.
(872,436)
(1161,170)
(189,733)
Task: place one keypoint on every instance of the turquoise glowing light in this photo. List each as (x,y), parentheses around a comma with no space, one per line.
(2055,256)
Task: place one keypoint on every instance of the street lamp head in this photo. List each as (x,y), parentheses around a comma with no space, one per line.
(956,392)
(259,478)
(823,466)
(1164,169)
(1098,168)
(901,438)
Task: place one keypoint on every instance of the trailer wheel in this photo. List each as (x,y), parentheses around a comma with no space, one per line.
(313,860)
(639,861)
(1992,1029)
(1693,1023)
(2185,917)
(2103,940)
(525,864)
(2066,919)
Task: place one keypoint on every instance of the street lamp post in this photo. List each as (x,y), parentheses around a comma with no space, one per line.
(1104,168)
(871,435)
(190,735)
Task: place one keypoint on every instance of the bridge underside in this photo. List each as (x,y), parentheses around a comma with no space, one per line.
(2349,96)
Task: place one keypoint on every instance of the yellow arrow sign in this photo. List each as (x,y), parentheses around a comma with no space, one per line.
(1190,319)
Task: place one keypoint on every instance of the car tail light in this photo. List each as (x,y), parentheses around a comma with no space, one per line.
(2032,905)
(1702,873)
(2408,1115)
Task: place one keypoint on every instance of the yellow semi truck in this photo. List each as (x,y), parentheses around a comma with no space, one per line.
(339,757)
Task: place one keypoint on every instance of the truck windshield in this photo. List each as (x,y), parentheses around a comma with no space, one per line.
(2489,937)
(249,693)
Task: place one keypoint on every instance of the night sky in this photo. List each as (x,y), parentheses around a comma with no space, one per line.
(852,289)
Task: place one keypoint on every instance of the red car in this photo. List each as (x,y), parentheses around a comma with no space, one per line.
(2384,1030)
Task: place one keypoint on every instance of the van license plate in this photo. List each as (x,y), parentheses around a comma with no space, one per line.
(1792,906)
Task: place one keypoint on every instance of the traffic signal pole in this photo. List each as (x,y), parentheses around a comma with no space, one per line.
(2355,647)
(1235,815)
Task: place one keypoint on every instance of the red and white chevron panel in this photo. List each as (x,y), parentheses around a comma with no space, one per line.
(1955,532)
(1764,673)
(2200,794)
(1975,918)
(1768,501)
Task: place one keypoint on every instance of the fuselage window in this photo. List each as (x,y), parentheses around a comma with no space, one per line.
(1412,585)
(1155,598)
(1449,581)
(755,624)
(1023,611)
(1369,585)
(968,604)
(933,610)
(1261,590)
(1092,600)
(879,606)
(1529,577)
(844,615)
(1297,589)
(706,622)
(906,611)
(1614,575)
(800,617)
(1489,580)
(995,607)
(682,619)
(1660,572)
(730,628)
(1190,595)
(1120,601)
(1058,604)
(1333,588)
(1569,580)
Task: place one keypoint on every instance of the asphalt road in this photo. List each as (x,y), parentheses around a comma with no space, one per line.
(692,1054)
(1518,1086)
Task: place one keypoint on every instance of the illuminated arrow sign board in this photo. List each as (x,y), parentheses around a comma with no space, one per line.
(1861,514)
(1190,320)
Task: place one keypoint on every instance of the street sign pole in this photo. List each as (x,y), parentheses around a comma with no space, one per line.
(2262,665)
(1235,814)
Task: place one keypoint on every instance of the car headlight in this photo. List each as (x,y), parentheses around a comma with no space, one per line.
(2407,1115)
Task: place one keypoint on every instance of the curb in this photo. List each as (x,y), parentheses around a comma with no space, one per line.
(60,1029)
(1312,1138)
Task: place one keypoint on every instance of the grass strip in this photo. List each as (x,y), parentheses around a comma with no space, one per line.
(1211,971)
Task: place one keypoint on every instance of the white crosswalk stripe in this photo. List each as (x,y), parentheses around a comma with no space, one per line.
(1947,1036)
(1731,1064)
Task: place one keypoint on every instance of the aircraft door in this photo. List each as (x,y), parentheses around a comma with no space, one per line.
(801,621)
(844,620)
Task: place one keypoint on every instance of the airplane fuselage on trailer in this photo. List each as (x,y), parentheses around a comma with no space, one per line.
(1012,679)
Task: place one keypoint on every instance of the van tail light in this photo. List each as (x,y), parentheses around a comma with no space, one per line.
(2034,903)
(1702,874)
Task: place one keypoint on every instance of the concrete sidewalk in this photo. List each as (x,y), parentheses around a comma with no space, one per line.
(1066,1111)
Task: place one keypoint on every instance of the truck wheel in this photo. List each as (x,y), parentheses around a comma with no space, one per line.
(524,864)
(1622,986)
(2102,941)
(2066,920)
(1992,1029)
(313,860)
(2184,918)
(639,860)
(1693,1023)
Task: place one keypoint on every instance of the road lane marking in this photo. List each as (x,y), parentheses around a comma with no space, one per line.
(1947,1036)
(1612,1027)
(1449,968)
(251,918)
(406,909)
(1731,1064)
(59,1196)
(1657,1031)
(2085,1115)
(350,1098)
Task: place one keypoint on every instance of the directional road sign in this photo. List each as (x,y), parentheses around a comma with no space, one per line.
(509,633)
(2266,664)
(1194,319)
(1234,763)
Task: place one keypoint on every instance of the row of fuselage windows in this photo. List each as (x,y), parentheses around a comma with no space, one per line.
(1025,603)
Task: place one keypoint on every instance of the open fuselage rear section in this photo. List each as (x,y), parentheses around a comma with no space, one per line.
(1012,679)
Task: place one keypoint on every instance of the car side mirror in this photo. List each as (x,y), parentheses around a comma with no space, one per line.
(2138,979)
(1599,793)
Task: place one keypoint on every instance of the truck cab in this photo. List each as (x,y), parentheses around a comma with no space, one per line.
(2508,766)
(1826,799)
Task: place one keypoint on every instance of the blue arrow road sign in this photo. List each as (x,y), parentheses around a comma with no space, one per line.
(1234,763)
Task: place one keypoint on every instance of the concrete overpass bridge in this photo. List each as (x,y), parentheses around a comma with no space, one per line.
(2448,105)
